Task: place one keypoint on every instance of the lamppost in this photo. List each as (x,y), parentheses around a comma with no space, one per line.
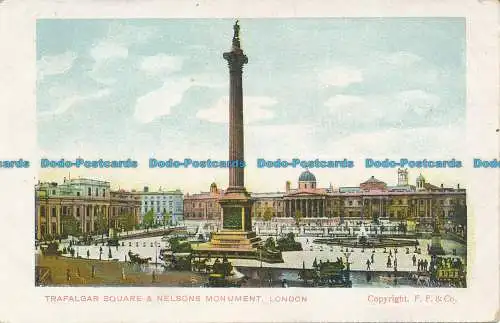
(156,255)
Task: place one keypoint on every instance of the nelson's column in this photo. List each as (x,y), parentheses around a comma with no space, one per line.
(236,238)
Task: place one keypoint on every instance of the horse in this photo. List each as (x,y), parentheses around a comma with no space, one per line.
(424,281)
(200,265)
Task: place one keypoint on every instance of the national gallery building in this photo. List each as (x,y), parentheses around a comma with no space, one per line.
(371,199)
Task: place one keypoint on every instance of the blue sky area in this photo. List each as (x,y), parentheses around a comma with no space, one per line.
(328,88)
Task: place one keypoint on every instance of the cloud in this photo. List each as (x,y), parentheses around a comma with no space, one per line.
(159,102)
(418,101)
(402,143)
(340,76)
(55,64)
(413,106)
(113,47)
(105,50)
(339,101)
(254,110)
(402,58)
(105,54)
(123,33)
(67,103)
(160,64)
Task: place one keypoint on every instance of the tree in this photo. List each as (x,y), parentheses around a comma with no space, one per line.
(127,221)
(460,215)
(149,219)
(70,225)
(102,223)
(167,218)
(268,214)
(298,217)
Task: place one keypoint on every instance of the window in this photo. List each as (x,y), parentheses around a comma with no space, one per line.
(77,193)
(96,192)
(89,191)
(53,192)
(103,193)
(42,210)
(350,204)
(77,211)
(53,211)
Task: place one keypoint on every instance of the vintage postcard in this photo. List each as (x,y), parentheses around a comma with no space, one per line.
(293,162)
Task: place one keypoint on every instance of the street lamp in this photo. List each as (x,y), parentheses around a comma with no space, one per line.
(156,256)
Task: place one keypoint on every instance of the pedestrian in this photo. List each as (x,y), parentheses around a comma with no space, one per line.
(395,262)
(88,254)
(414,259)
(389,262)
(373,258)
(68,274)
(368,264)
(390,253)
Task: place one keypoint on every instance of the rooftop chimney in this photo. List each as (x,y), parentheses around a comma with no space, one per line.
(442,185)
(146,189)
(287,187)
(458,186)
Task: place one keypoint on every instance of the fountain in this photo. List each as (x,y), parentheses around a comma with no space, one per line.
(363,240)
(362,235)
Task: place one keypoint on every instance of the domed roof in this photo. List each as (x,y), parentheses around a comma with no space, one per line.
(307,176)
(372,180)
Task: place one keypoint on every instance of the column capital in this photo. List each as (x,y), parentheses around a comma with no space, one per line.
(235,60)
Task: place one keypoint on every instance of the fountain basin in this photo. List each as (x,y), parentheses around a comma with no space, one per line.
(369,242)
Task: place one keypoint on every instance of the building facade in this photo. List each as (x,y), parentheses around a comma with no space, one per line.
(81,206)
(204,205)
(372,199)
(163,204)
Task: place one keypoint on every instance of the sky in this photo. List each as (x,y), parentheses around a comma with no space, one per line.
(313,88)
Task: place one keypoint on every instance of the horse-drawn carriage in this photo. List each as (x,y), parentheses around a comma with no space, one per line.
(327,274)
(223,274)
(448,271)
(443,272)
(134,258)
